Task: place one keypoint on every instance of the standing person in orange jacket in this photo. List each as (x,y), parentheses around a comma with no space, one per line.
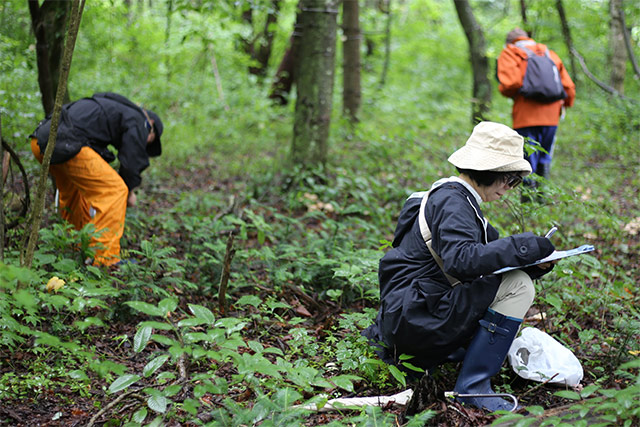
(91,191)
(533,118)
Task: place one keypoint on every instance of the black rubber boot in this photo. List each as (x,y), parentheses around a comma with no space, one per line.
(483,360)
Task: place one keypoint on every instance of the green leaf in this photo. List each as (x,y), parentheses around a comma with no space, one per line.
(249,300)
(157,325)
(141,338)
(568,394)
(139,416)
(168,305)
(202,313)
(65,265)
(164,340)
(157,403)
(146,308)
(191,321)
(344,381)
(589,390)
(412,367)
(285,397)
(154,365)
(78,375)
(123,382)
(398,375)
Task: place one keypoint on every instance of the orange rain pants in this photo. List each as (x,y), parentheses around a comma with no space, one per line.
(87,181)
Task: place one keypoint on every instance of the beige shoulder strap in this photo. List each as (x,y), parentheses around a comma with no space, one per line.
(426,235)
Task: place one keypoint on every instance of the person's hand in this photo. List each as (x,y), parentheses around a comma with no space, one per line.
(132,199)
(547,265)
(539,270)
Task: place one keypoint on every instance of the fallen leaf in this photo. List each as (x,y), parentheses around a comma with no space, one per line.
(54,284)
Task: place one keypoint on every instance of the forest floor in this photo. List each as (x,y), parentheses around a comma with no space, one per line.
(64,406)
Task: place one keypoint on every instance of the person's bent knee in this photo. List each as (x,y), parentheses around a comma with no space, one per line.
(524,286)
(515,294)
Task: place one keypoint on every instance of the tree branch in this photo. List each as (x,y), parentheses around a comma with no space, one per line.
(598,82)
(627,43)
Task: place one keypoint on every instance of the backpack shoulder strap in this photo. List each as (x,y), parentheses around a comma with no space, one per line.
(426,235)
(528,51)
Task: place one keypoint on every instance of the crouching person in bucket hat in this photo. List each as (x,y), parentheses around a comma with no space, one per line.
(439,298)
(90,190)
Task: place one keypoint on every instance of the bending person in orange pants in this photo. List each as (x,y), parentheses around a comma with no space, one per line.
(91,191)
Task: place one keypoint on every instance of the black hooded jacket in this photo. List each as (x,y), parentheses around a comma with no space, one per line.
(421,314)
(102,120)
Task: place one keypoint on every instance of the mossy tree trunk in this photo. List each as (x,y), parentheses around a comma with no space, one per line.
(351,89)
(259,45)
(314,82)
(481,99)
(48,23)
(618,49)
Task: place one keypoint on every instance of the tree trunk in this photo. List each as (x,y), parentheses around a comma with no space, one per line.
(618,49)
(314,82)
(2,177)
(566,33)
(259,46)
(285,76)
(523,14)
(48,24)
(481,100)
(628,45)
(387,41)
(38,207)
(351,92)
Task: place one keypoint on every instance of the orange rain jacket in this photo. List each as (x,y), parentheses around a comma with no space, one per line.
(512,64)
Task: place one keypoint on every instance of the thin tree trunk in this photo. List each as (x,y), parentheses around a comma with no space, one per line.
(566,33)
(72,33)
(314,82)
(351,93)
(2,175)
(387,44)
(627,43)
(285,76)
(260,45)
(618,50)
(216,75)
(481,101)
(523,13)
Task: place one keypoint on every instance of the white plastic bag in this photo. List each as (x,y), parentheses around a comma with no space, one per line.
(537,356)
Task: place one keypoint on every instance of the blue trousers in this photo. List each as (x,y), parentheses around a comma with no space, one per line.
(546,137)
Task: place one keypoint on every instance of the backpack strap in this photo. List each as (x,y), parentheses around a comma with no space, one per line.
(530,52)
(426,235)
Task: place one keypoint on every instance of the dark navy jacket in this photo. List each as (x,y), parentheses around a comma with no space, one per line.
(421,314)
(102,120)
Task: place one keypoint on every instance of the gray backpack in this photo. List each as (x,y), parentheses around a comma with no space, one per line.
(542,78)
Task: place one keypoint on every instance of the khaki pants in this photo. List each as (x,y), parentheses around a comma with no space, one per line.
(515,294)
(91,191)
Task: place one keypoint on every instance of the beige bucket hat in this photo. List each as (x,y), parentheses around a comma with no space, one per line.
(492,147)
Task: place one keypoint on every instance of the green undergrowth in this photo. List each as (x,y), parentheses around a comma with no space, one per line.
(317,234)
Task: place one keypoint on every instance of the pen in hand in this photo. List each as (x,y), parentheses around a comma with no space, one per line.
(550,232)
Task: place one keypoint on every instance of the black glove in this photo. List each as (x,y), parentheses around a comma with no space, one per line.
(545,245)
(546,248)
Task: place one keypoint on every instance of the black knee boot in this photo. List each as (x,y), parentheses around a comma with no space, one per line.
(484,358)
